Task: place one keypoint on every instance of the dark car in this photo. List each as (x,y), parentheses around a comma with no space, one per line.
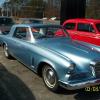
(5,24)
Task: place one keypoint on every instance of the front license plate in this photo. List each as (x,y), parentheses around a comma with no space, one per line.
(92,89)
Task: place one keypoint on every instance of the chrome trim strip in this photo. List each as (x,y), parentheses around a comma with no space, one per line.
(80,85)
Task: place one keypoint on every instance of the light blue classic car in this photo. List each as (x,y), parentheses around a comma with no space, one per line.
(59,60)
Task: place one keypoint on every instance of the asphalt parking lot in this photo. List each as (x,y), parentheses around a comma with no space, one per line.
(19,83)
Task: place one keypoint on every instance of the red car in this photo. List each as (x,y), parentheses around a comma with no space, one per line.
(87,30)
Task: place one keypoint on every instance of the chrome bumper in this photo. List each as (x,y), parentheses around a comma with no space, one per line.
(74,86)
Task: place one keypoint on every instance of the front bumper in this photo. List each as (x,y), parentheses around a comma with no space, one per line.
(79,85)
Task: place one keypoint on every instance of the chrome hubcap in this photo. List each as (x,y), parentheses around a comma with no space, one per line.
(6,51)
(49,77)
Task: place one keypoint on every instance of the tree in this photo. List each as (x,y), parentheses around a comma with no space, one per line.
(14,6)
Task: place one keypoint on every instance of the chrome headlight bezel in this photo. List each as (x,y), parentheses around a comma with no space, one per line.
(71,67)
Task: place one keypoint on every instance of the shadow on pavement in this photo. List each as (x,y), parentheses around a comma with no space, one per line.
(82,95)
(12,88)
(65,91)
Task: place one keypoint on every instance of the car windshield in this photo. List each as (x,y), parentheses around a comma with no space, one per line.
(49,32)
(6,21)
(98,26)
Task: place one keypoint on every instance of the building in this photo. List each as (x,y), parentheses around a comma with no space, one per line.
(55,8)
(93,9)
(74,8)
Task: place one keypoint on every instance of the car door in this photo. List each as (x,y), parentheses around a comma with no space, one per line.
(70,27)
(87,33)
(20,45)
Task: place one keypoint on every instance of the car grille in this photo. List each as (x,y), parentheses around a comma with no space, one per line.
(79,76)
(97,70)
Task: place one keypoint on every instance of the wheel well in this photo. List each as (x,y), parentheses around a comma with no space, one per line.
(3,45)
(39,70)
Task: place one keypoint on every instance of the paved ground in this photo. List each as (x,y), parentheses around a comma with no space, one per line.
(19,83)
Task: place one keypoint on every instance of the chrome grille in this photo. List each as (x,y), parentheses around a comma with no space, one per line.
(79,76)
(97,70)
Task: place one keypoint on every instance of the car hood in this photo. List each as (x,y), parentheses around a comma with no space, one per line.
(70,49)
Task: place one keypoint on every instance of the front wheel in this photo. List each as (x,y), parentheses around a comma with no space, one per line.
(6,52)
(50,78)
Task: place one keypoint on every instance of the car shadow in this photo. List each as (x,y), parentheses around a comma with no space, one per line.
(65,91)
(83,95)
(12,88)
(80,94)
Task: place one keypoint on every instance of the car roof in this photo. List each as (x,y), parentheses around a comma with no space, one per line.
(84,20)
(36,25)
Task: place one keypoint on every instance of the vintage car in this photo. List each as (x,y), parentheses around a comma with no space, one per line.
(87,30)
(59,60)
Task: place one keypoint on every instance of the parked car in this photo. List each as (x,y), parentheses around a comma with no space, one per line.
(52,20)
(59,60)
(87,30)
(5,24)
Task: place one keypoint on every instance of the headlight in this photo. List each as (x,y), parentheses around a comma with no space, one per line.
(71,67)
(93,63)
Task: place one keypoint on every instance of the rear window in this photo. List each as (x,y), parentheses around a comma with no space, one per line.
(70,26)
(98,27)
(6,21)
(49,32)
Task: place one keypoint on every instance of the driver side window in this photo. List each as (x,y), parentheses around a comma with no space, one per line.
(21,33)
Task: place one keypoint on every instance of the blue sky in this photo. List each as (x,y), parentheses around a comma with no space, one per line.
(1,1)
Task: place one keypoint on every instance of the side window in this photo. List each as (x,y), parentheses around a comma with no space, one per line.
(20,32)
(85,27)
(70,26)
